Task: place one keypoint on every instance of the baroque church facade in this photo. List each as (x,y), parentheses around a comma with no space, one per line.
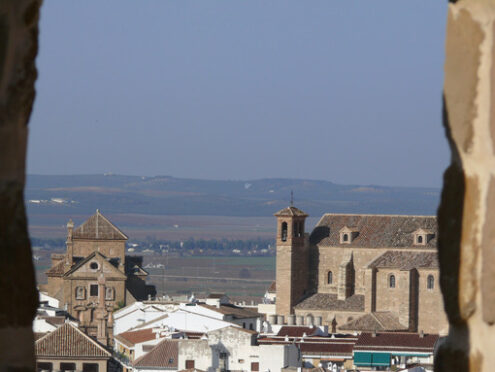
(94,276)
(360,272)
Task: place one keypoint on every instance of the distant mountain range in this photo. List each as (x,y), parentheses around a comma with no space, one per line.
(164,195)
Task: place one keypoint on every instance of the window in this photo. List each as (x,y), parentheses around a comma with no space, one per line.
(329,277)
(93,290)
(43,366)
(189,364)
(67,366)
(93,265)
(430,282)
(251,327)
(171,361)
(243,325)
(345,237)
(80,293)
(420,239)
(109,294)
(284,231)
(255,366)
(391,281)
(90,367)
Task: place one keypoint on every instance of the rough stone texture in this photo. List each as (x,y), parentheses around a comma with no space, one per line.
(18,49)
(488,259)
(466,213)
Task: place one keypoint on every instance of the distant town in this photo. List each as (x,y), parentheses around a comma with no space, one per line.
(359,292)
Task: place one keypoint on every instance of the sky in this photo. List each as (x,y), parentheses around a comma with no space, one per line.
(344,91)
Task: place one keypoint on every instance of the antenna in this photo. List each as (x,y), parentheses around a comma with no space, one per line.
(291,198)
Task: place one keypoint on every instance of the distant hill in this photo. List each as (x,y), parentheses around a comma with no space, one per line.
(164,195)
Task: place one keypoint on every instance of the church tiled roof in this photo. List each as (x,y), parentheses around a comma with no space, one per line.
(329,301)
(97,227)
(377,321)
(68,341)
(374,231)
(406,260)
(57,270)
(290,212)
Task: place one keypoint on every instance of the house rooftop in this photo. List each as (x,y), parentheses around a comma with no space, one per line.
(69,341)
(163,355)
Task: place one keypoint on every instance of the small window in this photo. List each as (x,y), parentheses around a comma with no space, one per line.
(251,327)
(189,364)
(90,367)
(420,239)
(80,293)
(255,366)
(243,325)
(93,265)
(391,281)
(284,231)
(171,361)
(44,366)
(430,282)
(345,238)
(109,294)
(329,277)
(67,366)
(93,290)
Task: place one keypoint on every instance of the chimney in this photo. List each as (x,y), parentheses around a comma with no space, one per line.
(421,334)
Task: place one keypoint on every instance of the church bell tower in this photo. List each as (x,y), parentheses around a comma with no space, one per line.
(292,259)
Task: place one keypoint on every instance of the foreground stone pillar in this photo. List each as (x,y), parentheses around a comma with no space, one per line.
(18,295)
(467,212)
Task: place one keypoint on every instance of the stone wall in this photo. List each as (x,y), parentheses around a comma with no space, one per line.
(18,49)
(110,248)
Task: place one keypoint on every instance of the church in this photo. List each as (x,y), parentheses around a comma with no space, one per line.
(360,272)
(94,276)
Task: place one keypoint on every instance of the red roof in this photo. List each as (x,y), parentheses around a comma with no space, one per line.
(296,331)
(163,355)
(68,341)
(397,341)
(344,348)
(130,338)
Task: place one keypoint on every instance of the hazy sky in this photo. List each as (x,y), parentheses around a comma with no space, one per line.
(346,91)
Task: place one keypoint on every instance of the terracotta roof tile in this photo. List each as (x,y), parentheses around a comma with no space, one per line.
(296,331)
(67,341)
(406,260)
(57,270)
(130,338)
(340,348)
(164,355)
(377,321)
(99,228)
(397,341)
(374,231)
(329,301)
(290,212)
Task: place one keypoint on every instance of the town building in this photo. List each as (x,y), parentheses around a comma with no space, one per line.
(69,349)
(360,272)
(94,276)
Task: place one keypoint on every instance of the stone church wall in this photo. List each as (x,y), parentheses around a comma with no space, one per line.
(431,316)
(111,248)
